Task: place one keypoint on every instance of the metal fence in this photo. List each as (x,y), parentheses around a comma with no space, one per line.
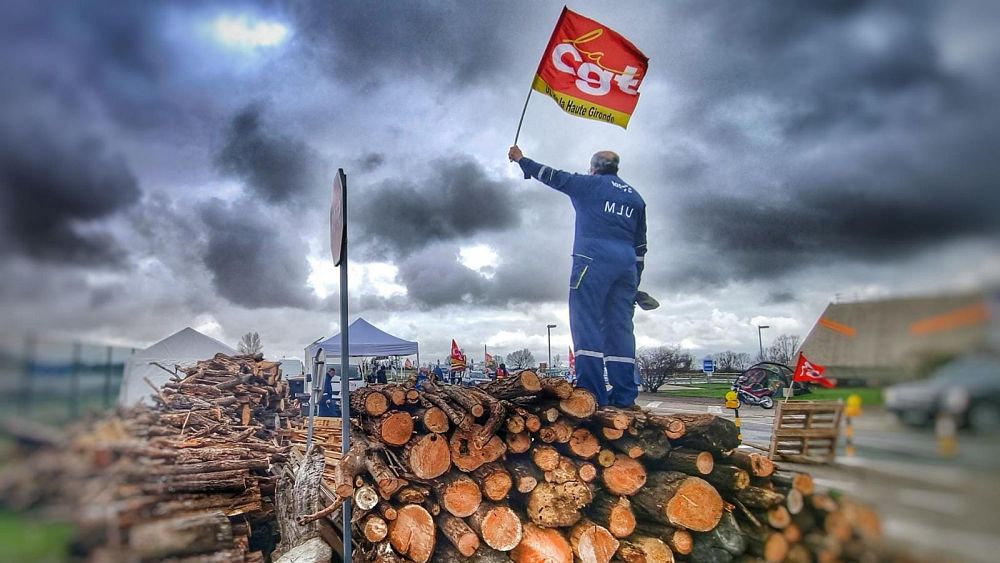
(699,378)
(57,381)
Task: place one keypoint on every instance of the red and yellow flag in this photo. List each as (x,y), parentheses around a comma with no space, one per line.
(590,70)
(457,357)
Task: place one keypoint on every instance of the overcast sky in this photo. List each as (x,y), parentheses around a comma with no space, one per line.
(165,165)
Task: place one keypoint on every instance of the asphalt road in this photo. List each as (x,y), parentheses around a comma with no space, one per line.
(940,509)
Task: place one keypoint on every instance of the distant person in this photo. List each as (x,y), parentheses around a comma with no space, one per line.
(380,375)
(502,372)
(327,405)
(609,251)
(438,373)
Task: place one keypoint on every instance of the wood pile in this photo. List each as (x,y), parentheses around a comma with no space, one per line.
(528,469)
(186,478)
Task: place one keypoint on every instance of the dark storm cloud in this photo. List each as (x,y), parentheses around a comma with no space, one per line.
(274,165)
(253,262)
(55,189)
(433,279)
(457,201)
(830,132)
(372,44)
(779,297)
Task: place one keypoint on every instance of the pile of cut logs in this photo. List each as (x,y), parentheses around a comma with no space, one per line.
(188,477)
(529,469)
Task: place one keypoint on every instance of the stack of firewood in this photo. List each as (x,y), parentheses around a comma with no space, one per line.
(530,469)
(188,477)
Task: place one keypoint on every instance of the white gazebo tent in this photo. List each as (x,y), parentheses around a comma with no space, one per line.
(157,363)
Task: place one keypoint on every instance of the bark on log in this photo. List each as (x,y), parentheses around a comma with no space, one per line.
(556,387)
(759,497)
(678,540)
(644,549)
(542,545)
(384,553)
(778,517)
(523,383)
(385,480)
(458,533)
(680,500)
(728,478)
(801,482)
(525,474)
(724,542)
(708,432)
(671,425)
(468,455)
(688,461)
(459,418)
(592,543)
(181,535)
(446,553)
(605,458)
(757,465)
(427,456)
(769,545)
(625,477)
(498,525)
(465,399)
(614,513)
(369,401)
(515,424)
(558,504)
(413,534)
(612,417)
(458,494)
(494,480)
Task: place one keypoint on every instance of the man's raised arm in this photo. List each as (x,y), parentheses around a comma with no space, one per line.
(570,184)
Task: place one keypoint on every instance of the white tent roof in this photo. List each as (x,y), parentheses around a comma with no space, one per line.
(183,348)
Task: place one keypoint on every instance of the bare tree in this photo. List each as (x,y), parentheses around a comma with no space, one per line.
(250,344)
(519,359)
(731,362)
(783,350)
(657,365)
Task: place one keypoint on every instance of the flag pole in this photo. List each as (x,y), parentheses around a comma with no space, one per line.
(523,111)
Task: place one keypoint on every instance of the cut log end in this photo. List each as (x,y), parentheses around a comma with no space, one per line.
(428,456)
(542,545)
(412,534)
(696,506)
(592,543)
(625,477)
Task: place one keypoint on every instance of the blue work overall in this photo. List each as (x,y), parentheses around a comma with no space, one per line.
(608,256)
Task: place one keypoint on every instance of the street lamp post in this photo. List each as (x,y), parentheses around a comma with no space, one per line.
(549,329)
(760,340)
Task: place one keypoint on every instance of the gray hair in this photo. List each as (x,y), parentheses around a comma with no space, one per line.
(604,162)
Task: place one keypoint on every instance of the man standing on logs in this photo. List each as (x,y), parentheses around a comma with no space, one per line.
(608,255)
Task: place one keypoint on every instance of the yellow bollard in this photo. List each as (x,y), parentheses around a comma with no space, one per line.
(851,409)
(733,403)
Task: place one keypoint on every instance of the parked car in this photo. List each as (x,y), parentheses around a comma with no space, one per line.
(968,387)
(354,381)
(475,377)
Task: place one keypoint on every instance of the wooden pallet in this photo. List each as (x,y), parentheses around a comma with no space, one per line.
(806,431)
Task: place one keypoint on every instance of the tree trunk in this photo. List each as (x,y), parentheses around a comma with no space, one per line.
(671,425)
(688,461)
(494,481)
(458,533)
(545,457)
(523,383)
(412,534)
(465,399)
(580,404)
(801,482)
(592,543)
(759,497)
(728,478)
(515,424)
(446,553)
(611,417)
(614,513)
(625,477)
(468,455)
(385,480)
(498,525)
(518,443)
(678,540)
(680,500)
(189,534)
(375,528)
(778,517)
(433,420)
(708,432)
(542,545)
(767,544)
(369,401)
(525,474)
(558,504)
(757,465)
(427,456)
(458,493)
(556,387)
(644,549)
(605,458)
(392,428)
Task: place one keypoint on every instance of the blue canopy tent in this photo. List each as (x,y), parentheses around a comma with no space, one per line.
(365,340)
